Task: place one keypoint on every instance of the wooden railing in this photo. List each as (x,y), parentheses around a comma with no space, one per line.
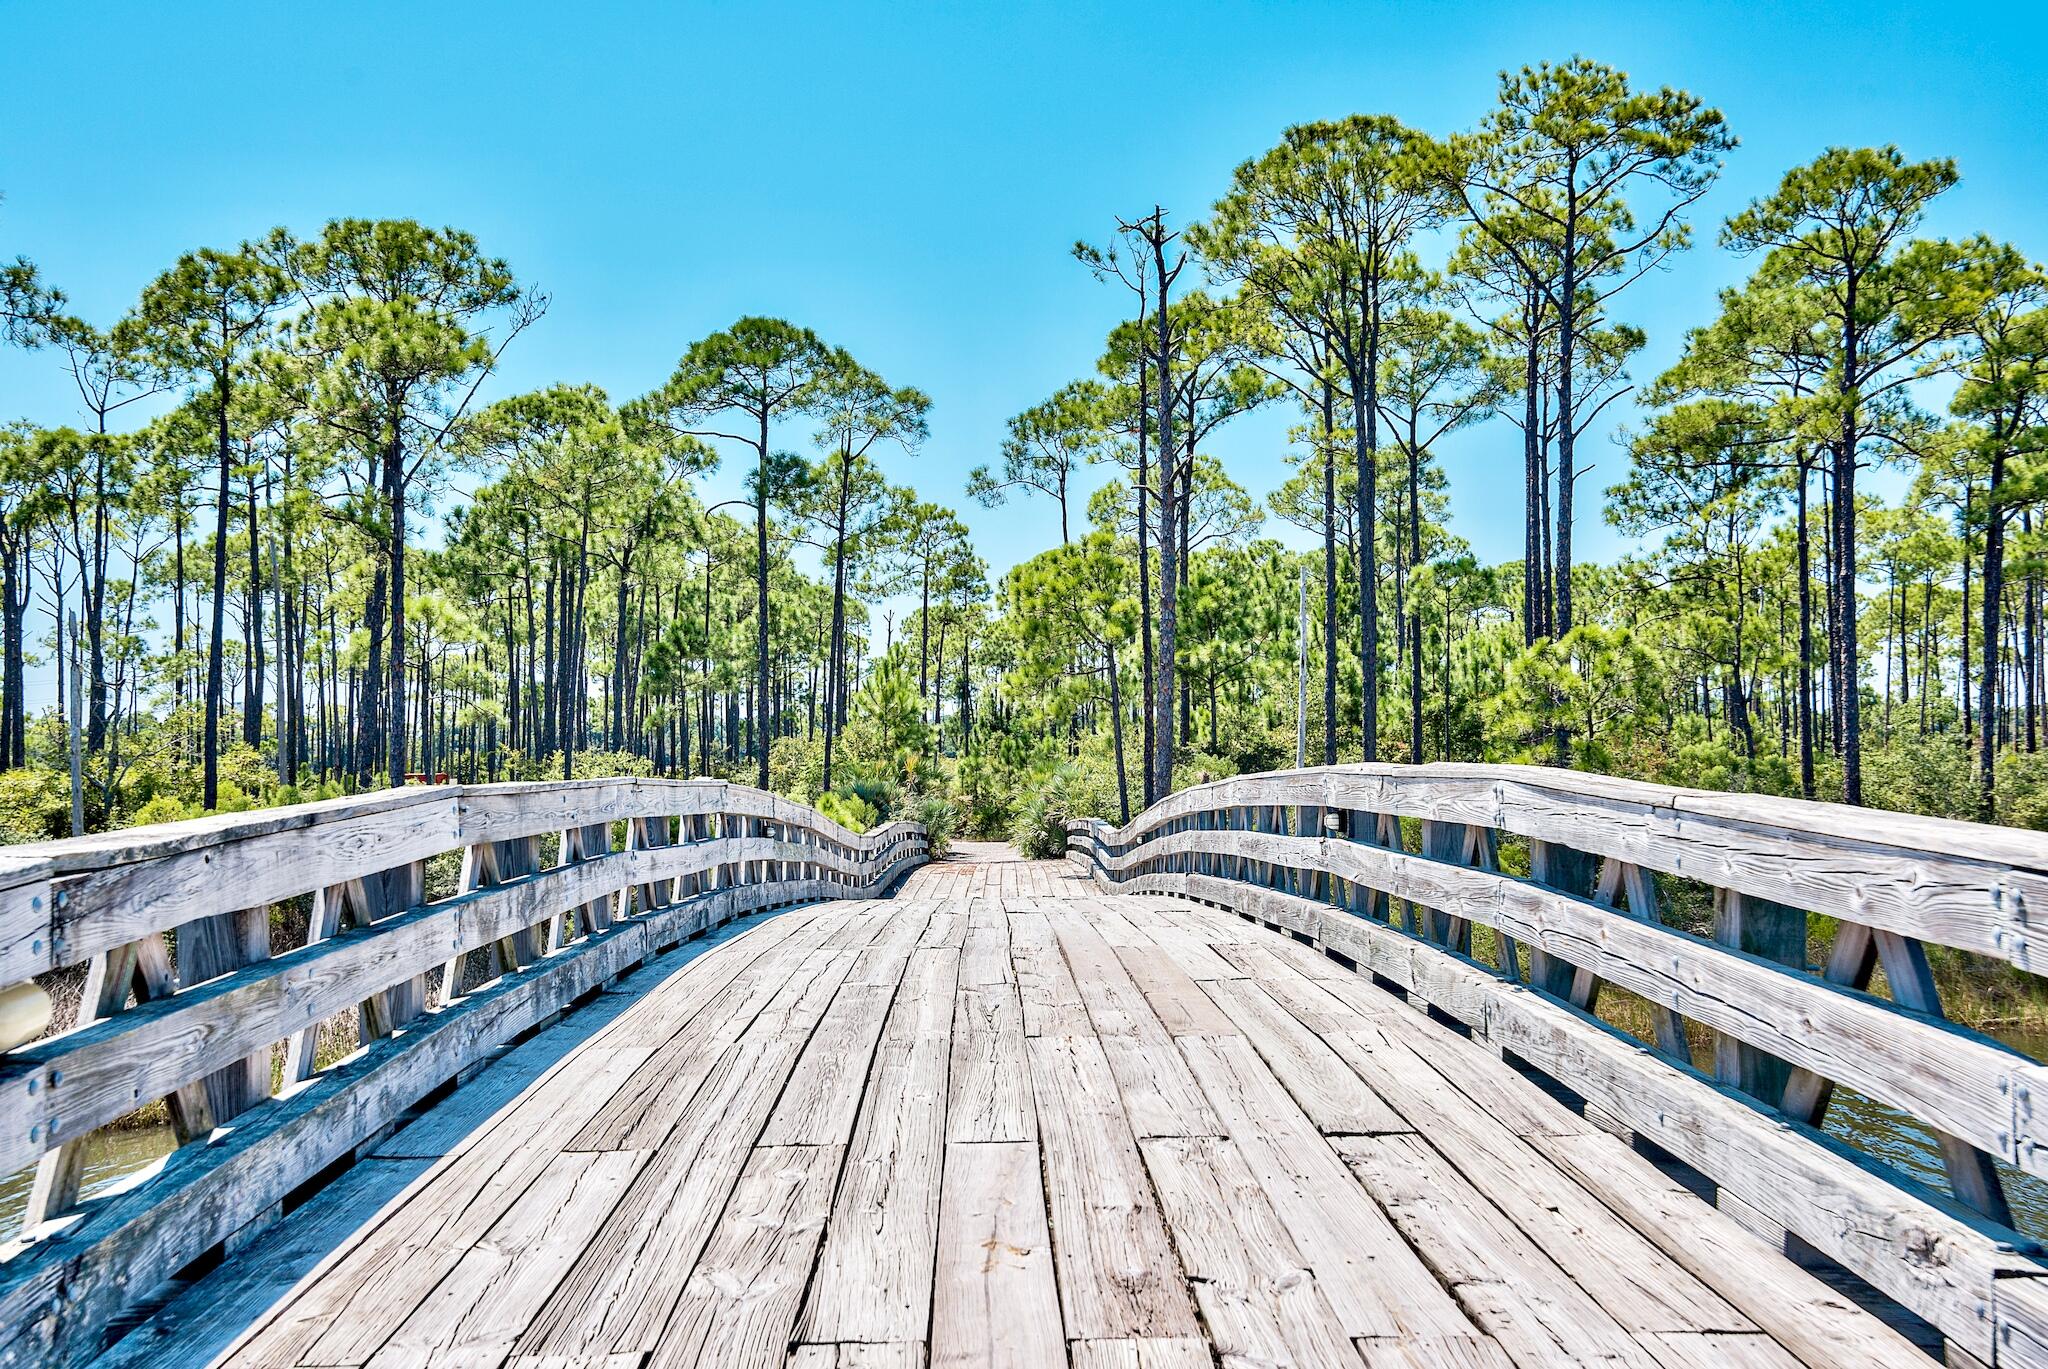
(1510,899)
(442,921)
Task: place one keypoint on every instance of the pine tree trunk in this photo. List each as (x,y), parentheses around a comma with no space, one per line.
(1804,538)
(1994,609)
(761,604)
(1169,601)
(210,739)
(1329,448)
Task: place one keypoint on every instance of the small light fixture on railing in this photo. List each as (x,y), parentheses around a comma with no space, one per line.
(1333,821)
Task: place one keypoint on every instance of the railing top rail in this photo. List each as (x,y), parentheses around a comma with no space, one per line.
(2012,846)
(121,846)
(171,873)
(1968,885)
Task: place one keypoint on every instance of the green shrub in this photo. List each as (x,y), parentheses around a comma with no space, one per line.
(35,804)
(1038,830)
(850,811)
(985,785)
(940,821)
(879,792)
(605,765)
(162,808)
(796,765)
(1191,768)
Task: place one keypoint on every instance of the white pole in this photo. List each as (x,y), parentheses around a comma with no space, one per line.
(1301,678)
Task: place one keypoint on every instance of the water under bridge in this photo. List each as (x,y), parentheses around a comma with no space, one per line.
(1444,1065)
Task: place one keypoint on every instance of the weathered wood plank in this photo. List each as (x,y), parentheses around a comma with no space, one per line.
(479,1307)
(742,1299)
(995,1300)
(874,1276)
(1141,1353)
(1962,884)
(641,1114)
(1957,1081)
(1878,1228)
(1435,1352)
(353,1303)
(857,1357)
(989,1081)
(1160,1096)
(1116,1269)
(1512,1289)
(1635,1282)
(619,1296)
(1719,1350)
(205,1194)
(1372,1280)
(1334,1098)
(819,1104)
(1052,1003)
(1795,1308)
(1260,1303)
(206,1319)
(132,883)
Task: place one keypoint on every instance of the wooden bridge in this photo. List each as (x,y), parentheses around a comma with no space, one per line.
(1298,1069)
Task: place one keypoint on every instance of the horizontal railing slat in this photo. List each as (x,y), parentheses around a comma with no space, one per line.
(1952,883)
(1960,1081)
(61,903)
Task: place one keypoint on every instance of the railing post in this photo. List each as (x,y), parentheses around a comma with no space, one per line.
(1567,871)
(1971,1173)
(486,864)
(691,830)
(648,834)
(1390,836)
(1852,960)
(387,894)
(1619,880)
(207,949)
(1444,841)
(578,845)
(144,968)
(1774,932)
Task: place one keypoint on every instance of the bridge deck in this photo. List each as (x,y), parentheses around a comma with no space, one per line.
(997,1119)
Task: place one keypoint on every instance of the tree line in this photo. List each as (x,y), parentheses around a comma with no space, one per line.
(241,596)
(1388,288)
(329,559)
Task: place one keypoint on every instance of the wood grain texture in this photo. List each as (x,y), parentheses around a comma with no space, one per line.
(995,1302)
(1958,883)
(874,1277)
(1260,1302)
(1116,1269)
(1371,1278)
(741,1301)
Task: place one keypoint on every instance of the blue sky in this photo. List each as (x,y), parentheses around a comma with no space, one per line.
(907,180)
